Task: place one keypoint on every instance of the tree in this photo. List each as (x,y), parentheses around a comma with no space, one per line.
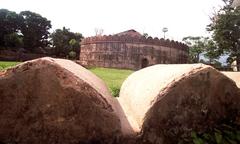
(74,47)
(13,40)
(64,41)
(10,23)
(202,45)
(35,30)
(210,51)
(196,47)
(225,28)
(145,35)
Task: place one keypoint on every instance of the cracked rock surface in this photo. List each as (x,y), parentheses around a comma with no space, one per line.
(165,103)
(55,101)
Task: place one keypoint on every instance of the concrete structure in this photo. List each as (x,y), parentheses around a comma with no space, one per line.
(131,50)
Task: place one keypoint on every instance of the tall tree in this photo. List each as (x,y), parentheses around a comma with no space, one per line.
(13,41)
(225,27)
(64,41)
(202,45)
(35,30)
(10,23)
(210,51)
(196,47)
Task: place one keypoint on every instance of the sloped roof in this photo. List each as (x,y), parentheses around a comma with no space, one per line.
(131,33)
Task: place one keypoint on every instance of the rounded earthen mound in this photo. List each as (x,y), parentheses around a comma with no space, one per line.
(48,101)
(168,102)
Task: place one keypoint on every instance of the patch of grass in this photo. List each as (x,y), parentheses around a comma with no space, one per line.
(112,77)
(7,64)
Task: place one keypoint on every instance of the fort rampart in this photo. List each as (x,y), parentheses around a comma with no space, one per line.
(131,52)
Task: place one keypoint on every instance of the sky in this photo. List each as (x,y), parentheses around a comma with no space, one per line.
(181,17)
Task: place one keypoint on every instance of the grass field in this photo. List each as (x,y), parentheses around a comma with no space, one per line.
(112,77)
(6,64)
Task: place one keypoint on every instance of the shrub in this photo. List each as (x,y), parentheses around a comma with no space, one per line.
(223,134)
(72,55)
(115,91)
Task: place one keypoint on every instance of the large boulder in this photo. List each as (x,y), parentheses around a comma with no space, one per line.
(49,101)
(165,103)
(235,76)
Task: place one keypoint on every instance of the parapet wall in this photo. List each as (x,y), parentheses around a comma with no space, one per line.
(140,40)
(131,52)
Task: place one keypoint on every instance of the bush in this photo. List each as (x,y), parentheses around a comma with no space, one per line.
(223,134)
(115,91)
(72,55)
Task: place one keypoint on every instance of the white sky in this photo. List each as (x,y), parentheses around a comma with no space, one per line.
(181,17)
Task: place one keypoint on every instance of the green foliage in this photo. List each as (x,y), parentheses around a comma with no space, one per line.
(72,42)
(30,31)
(115,91)
(196,139)
(211,51)
(196,47)
(225,28)
(72,55)
(10,24)
(34,30)
(223,134)
(26,29)
(199,45)
(13,40)
(64,41)
(112,77)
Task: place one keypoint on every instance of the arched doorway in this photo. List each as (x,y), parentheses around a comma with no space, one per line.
(144,63)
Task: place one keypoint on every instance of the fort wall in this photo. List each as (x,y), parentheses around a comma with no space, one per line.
(131,52)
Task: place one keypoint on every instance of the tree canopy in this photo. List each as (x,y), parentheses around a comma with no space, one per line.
(35,30)
(66,43)
(225,28)
(30,31)
(26,29)
(196,47)
(10,24)
(202,46)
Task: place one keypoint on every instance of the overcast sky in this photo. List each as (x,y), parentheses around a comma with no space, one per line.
(181,17)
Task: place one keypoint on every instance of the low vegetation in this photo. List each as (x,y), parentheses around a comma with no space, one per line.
(112,77)
(5,64)
(222,134)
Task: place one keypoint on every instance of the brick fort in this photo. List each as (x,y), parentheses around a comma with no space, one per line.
(131,50)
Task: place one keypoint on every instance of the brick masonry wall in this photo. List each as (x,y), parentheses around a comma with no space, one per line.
(130,52)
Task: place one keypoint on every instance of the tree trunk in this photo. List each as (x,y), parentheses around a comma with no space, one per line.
(238,63)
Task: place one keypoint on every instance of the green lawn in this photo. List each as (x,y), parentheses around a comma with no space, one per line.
(6,64)
(112,77)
